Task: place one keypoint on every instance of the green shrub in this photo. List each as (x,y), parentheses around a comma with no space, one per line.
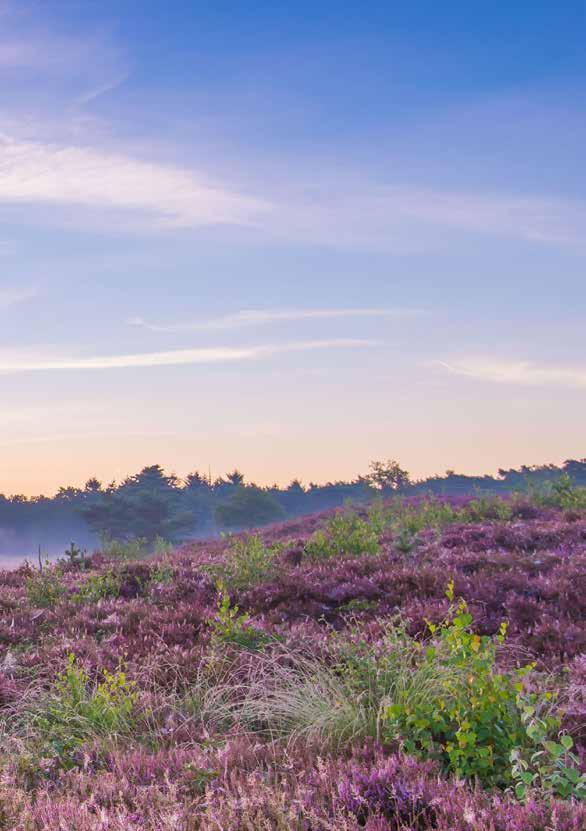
(444,699)
(231,627)
(99,587)
(132,549)
(345,533)
(44,588)
(564,494)
(486,508)
(548,766)
(447,699)
(561,493)
(162,546)
(77,710)
(75,556)
(162,573)
(470,719)
(249,561)
(406,519)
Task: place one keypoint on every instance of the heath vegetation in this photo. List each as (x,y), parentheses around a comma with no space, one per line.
(410,663)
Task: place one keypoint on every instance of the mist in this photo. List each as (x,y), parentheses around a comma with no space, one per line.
(19,545)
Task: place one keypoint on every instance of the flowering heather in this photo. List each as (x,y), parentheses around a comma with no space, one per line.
(178,709)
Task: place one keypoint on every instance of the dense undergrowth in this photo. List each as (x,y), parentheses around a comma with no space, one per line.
(418,665)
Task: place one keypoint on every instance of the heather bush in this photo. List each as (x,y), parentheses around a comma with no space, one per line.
(345,533)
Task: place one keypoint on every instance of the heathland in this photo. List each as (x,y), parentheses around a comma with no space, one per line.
(412,663)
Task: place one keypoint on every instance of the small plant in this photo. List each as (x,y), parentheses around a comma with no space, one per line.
(485,507)
(357,605)
(231,627)
(99,587)
(77,710)
(549,766)
(561,493)
(445,699)
(404,541)
(162,573)
(44,588)
(407,519)
(75,556)
(566,495)
(162,546)
(132,549)
(249,562)
(345,533)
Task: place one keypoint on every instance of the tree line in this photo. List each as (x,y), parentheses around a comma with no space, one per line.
(153,504)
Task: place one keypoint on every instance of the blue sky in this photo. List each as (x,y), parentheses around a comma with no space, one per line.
(291,238)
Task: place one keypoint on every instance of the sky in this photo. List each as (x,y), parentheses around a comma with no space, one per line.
(290,238)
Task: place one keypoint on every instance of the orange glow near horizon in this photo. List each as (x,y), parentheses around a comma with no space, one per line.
(43,467)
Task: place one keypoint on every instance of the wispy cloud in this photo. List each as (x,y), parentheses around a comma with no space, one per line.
(412,218)
(102,89)
(522,373)
(123,192)
(34,173)
(11,296)
(260,317)
(15,363)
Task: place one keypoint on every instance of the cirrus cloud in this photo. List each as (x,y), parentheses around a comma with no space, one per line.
(259,317)
(49,174)
(523,373)
(17,363)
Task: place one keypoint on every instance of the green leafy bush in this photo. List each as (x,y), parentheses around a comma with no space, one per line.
(560,493)
(99,587)
(77,710)
(447,699)
(471,721)
(548,766)
(345,533)
(231,627)
(44,587)
(162,573)
(249,561)
(132,549)
(407,519)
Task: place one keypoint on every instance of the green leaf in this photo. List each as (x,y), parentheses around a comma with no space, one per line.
(567,742)
(520,791)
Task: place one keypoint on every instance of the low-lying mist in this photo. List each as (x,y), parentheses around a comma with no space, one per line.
(18,546)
